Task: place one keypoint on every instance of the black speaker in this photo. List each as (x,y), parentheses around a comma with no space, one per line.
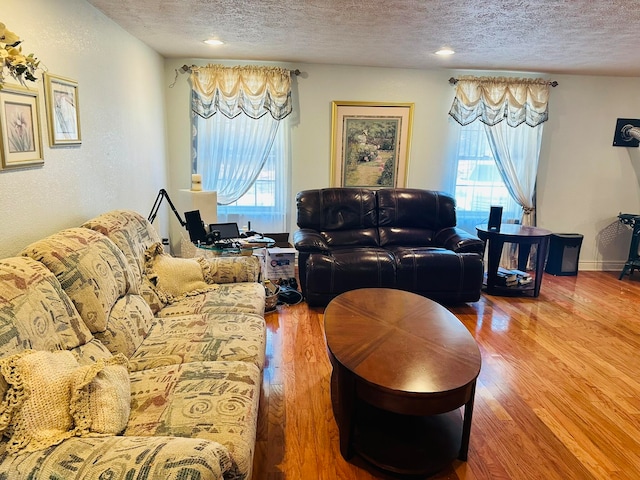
(495,218)
(195,226)
(564,254)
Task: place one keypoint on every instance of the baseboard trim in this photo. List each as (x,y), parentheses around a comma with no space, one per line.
(601,266)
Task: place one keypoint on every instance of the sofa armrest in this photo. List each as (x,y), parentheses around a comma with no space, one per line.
(459,240)
(83,458)
(309,241)
(241,268)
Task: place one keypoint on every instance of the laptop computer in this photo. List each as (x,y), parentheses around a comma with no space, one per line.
(281,239)
(227,230)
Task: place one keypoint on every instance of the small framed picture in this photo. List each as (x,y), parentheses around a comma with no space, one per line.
(63,110)
(20,136)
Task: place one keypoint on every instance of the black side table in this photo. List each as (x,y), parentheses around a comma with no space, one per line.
(633,261)
(524,237)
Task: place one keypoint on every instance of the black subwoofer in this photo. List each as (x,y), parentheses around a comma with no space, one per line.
(564,253)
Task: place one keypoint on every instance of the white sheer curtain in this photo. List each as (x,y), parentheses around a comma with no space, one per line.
(516,151)
(233,135)
(266,206)
(513,110)
(231,152)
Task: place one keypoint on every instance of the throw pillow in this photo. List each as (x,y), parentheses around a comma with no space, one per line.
(175,278)
(101,397)
(35,411)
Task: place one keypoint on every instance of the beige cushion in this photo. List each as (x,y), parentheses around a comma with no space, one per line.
(101,398)
(174,278)
(35,411)
(50,398)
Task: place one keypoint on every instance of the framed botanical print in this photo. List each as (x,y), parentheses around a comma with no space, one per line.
(63,110)
(370,144)
(20,136)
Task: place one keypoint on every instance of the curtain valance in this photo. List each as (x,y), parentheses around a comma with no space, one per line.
(493,99)
(253,90)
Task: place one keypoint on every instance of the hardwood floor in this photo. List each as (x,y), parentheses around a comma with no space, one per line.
(558,396)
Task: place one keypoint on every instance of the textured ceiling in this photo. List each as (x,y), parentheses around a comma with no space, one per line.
(549,36)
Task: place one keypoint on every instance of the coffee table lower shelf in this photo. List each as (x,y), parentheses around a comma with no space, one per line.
(407,444)
(506,291)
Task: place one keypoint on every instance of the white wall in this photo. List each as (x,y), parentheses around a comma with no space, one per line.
(122,160)
(127,154)
(583,181)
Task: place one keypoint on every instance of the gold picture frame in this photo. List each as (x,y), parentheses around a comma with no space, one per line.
(20,137)
(370,144)
(63,110)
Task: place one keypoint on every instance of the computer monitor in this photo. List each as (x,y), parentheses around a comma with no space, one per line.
(195,227)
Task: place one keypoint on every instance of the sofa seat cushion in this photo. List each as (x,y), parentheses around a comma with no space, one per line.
(343,268)
(207,400)
(167,458)
(91,352)
(438,272)
(205,337)
(246,297)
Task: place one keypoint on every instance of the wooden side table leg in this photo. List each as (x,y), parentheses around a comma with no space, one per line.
(524,250)
(542,256)
(343,401)
(466,425)
(493,261)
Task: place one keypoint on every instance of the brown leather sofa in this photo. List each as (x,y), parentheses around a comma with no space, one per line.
(400,238)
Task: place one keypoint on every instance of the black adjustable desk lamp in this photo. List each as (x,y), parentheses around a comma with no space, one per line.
(162,194)
(193,223)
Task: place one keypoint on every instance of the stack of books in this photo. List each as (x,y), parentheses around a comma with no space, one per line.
(506,278)
(512,277)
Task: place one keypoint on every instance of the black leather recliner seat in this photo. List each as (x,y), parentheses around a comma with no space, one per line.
(400,238)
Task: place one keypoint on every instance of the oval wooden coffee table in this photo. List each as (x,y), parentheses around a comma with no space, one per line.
(403,365)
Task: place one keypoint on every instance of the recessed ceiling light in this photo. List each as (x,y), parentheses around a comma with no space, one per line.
(213,41)
(445,51)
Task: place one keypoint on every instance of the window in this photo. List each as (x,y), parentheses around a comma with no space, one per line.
(478,181)
(230,142)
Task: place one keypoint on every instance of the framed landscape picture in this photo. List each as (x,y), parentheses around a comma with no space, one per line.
(63,111)
(370,144)
(20,127)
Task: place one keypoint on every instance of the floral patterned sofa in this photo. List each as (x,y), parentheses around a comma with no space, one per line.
(118,361)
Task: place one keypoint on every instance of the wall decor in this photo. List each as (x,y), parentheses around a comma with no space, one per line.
(14,63)
(370,144)
(626,133)
(63,110)
(20,137)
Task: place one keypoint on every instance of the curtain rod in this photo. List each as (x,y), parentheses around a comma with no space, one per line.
(187,68)
(453,81)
